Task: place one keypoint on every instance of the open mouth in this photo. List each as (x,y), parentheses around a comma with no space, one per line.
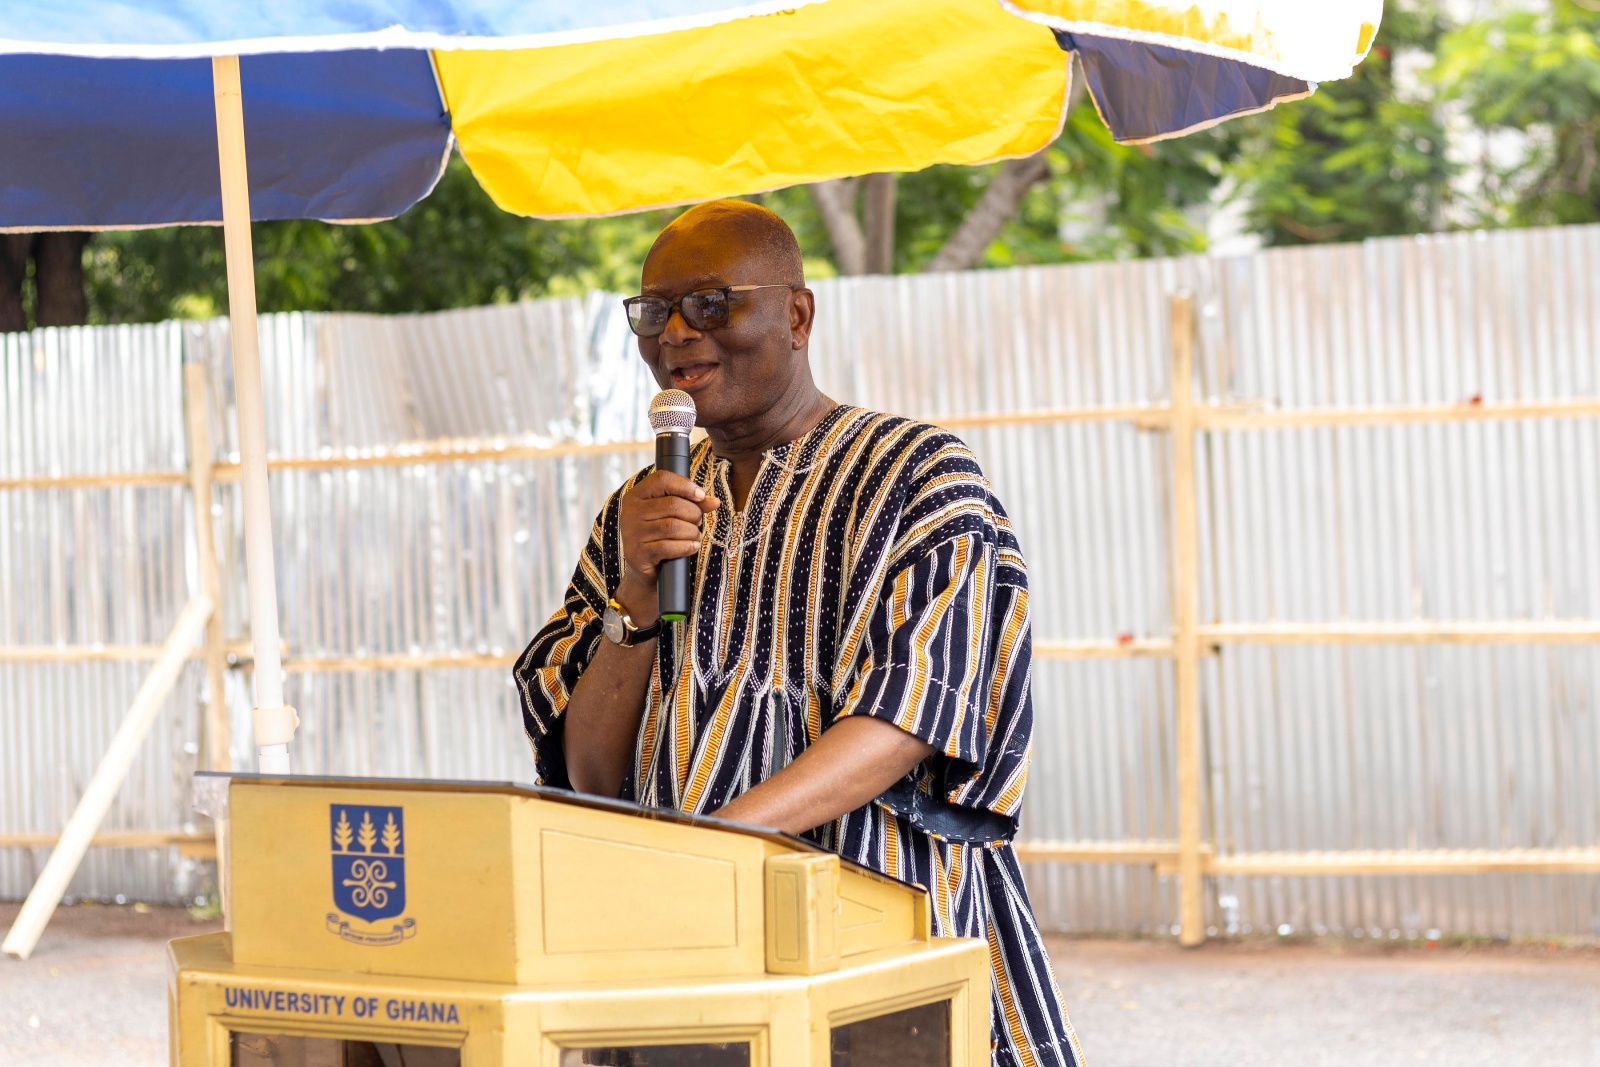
(692,375)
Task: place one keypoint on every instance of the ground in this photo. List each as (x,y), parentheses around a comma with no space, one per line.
(94,993)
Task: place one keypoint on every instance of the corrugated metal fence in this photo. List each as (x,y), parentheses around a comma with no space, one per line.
(1304,746)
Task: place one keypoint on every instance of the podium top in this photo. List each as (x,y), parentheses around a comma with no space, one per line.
(501,882)
(211,798)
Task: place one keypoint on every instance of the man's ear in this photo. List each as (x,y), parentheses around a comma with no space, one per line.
(802,313)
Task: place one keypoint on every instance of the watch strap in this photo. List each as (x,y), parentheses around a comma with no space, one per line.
(631,634)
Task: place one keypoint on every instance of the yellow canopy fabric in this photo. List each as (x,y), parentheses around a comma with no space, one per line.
(824,91)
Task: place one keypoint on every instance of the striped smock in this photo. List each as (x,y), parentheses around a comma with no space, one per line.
(871,572)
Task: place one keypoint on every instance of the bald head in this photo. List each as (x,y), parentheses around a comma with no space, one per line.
(765,239)
(748,370)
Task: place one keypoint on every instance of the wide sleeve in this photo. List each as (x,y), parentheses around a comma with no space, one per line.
(549,669)
(947,658)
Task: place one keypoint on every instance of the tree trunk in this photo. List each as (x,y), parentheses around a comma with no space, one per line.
(14,248)
(59,297)
(877,208)
(58,279)
(836,203)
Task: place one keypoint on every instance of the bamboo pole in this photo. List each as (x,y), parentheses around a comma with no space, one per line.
(1185,617)
(274,723)
(218,730)
(197,410)
(102,789)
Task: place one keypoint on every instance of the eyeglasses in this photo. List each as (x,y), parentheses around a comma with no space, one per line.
(703,309)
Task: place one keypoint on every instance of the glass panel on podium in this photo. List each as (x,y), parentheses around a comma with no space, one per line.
(292,1050)
(732,1054)
(919,1035)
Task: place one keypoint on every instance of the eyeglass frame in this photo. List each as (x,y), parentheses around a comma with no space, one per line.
(677,305)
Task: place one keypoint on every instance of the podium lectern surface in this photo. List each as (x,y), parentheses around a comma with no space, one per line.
(479,924)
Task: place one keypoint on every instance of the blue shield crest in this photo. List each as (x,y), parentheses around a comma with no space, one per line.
(369,865)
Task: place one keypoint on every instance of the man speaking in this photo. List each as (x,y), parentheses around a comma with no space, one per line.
(855,663)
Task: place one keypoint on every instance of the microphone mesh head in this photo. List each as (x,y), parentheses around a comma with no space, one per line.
(672,411)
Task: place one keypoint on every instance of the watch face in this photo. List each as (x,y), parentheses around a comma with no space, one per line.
(612,624)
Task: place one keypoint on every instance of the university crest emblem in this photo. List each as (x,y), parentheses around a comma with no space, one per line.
(369,872)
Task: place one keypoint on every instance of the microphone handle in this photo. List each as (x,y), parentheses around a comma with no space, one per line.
(672,576)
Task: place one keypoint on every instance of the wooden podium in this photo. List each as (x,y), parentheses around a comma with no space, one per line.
(382,923)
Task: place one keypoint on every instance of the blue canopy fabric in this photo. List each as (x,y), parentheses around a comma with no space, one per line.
(1149,92)
(201,28)
(107,115)
(344,136)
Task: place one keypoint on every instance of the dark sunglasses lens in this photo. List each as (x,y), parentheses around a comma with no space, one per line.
(647,316)
(706,309)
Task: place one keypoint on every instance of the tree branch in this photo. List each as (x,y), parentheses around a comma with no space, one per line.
(989,215)
(836,203)
(964,249)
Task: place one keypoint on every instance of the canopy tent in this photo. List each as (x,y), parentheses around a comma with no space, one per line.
(562,108)
(115,109)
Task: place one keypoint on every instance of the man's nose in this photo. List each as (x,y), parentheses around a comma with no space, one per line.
(678,331)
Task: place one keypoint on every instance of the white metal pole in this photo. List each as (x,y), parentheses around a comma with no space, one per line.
(102,789)
(274,722)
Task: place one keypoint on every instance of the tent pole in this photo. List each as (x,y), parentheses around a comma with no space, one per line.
(274,723)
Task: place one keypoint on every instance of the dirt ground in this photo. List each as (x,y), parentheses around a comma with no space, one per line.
(94,994)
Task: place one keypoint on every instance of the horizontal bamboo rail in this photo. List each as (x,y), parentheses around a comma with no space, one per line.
(1165,854)
(1215,416)
(109,480)
(1374,862)
(1135,852)
(1236,416)
(1408,632)
(1212,636)
(197,844)
(1118,648)
(398,662)
(236,652)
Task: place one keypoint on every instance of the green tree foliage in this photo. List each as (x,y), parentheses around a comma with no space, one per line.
(1359,158)
(1134,200)
(1102,200)
(1537,73)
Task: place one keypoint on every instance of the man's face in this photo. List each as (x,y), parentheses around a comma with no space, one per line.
(740,370)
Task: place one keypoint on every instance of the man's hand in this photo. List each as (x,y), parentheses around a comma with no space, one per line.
(660,519)
(852,763)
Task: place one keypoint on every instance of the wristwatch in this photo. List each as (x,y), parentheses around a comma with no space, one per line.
(621,630)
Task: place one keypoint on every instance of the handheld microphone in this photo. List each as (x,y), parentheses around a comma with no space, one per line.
(672,417)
